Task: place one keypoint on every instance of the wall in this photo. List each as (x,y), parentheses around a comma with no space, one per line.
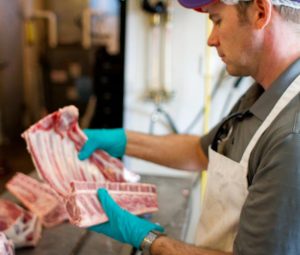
(188,73)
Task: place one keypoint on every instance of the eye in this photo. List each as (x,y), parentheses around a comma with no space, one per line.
(217,22)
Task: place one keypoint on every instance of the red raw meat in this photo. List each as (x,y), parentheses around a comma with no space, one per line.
(6,246)
(22,227)
(85,209)
(54,143)
(38,198)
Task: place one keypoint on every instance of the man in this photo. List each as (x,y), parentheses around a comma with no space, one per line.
(252,202)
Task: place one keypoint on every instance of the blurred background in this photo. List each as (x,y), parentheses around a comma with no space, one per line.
(143,65)
(139,64)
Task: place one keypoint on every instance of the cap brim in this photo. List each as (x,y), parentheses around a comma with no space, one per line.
(194,4)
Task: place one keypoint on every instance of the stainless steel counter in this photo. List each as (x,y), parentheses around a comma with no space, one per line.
(66,239)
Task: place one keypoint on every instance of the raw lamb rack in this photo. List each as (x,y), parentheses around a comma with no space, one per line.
(6,246)
(54,143)
(38,198)
(22,227)
(85,210)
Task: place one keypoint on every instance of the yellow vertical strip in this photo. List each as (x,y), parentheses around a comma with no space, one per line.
(30,37)
(207,97)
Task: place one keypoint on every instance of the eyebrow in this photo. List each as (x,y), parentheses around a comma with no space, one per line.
(213,15)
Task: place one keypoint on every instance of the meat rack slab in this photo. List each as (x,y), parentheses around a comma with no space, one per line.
(67,239)
(54,143)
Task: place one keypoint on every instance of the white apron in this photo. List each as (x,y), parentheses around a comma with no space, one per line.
(227,187)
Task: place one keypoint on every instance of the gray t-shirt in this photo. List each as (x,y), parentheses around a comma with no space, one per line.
(270,217)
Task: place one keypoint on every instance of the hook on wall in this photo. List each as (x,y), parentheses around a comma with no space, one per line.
(160,7)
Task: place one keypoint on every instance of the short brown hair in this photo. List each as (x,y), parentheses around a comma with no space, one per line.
(242,7)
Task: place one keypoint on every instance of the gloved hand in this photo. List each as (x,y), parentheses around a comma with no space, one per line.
(122,225)
(113,141)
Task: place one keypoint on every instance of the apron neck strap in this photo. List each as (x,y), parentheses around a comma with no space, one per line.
(291,92)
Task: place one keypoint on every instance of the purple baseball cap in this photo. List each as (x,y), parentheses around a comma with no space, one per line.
(196,4)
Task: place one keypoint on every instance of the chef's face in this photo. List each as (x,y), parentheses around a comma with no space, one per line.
(234,38)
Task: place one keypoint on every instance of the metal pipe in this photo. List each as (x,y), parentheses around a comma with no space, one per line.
(207,100)
(167,50)
(52,25)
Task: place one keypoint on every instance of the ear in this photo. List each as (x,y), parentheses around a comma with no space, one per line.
(262,13)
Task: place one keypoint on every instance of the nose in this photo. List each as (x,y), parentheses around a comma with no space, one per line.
(213,40)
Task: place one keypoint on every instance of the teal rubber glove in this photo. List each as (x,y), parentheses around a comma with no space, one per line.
(113,141)
(122,225)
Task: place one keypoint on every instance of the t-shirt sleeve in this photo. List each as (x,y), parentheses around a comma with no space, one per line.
(269,221)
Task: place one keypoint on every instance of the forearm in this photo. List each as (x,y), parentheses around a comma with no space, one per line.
(176,151)
(167,246)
